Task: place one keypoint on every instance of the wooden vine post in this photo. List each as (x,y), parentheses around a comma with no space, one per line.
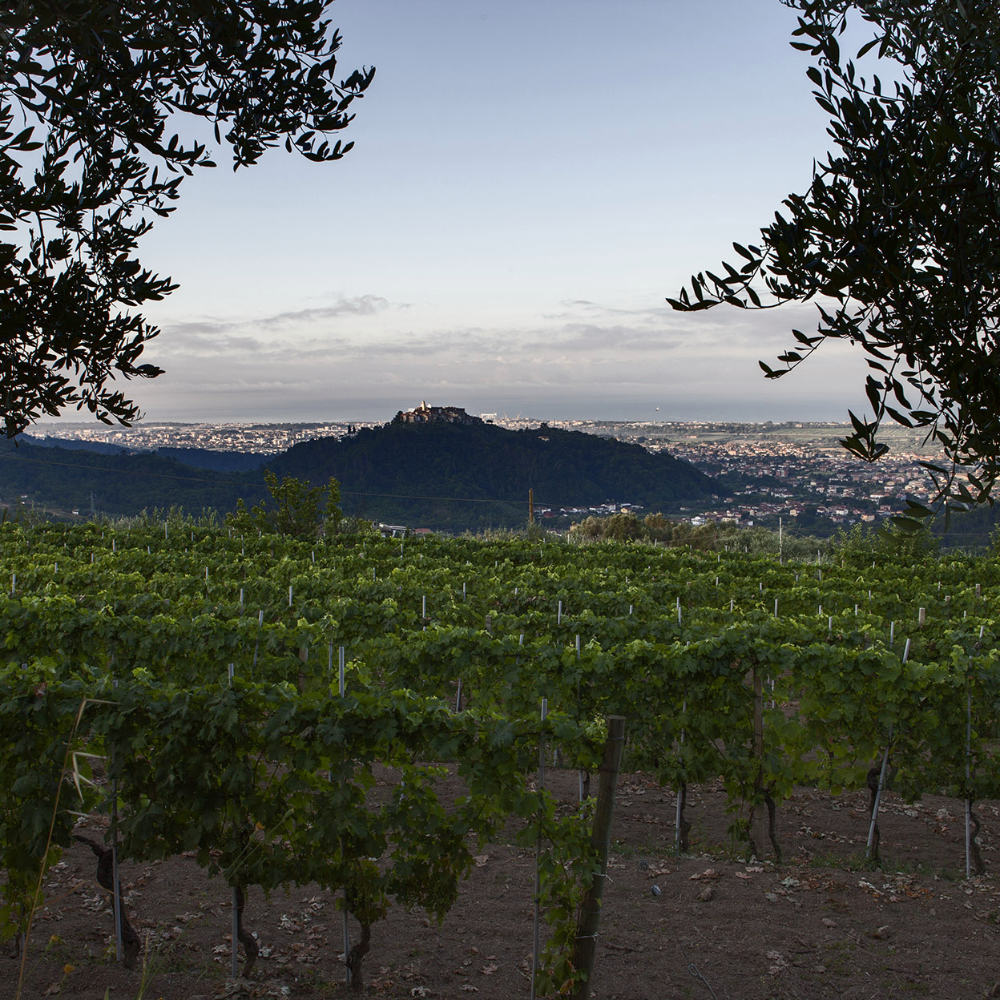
(876,784)
(237,903)
(116,900)
(680,825)
(342,687)
(538,855)
(304,659)
(590,910)
(759,825)
(968,773)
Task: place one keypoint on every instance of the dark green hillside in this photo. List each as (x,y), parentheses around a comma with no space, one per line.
(71,444)
(482,462)
(62,480)
(219,461)
(435,475)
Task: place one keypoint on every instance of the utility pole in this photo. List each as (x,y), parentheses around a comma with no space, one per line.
(531,506)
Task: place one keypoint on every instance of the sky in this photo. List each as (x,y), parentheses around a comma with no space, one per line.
(530,180)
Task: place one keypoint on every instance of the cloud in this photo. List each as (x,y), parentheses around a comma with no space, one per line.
(581,310)
(562,343)
(247,386)
(650,337)
(208,339)
(656,326)
(595,337)
(211,336)
(359,305)
(591,359)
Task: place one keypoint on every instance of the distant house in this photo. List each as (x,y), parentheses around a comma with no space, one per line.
(424,414)
(393,530)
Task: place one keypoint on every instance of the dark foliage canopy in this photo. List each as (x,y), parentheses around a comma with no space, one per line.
(897,238)
(89,94)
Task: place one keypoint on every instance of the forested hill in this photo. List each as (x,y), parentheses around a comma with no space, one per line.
(467,468)
(479,474)
(60,480)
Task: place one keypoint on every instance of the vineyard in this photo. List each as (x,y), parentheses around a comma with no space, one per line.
(237,700)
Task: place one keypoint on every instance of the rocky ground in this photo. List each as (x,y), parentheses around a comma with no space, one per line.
(705,925)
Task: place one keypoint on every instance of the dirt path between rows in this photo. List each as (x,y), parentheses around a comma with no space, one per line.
(706,925)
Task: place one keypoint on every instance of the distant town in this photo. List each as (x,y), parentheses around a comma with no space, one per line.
(795,473)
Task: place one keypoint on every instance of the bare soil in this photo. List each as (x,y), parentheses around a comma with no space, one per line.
(705,925)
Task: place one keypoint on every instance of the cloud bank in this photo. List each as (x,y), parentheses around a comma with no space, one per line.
(366,357)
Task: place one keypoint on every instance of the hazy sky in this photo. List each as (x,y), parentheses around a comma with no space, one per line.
(531,179)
